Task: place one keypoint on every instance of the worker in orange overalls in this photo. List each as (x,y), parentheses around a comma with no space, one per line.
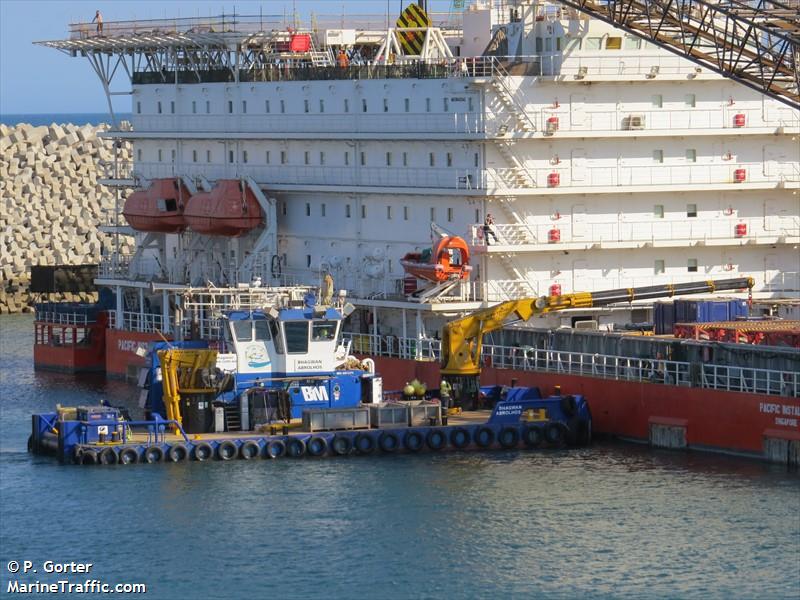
(342,59)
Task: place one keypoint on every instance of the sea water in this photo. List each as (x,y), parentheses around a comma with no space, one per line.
(611,520)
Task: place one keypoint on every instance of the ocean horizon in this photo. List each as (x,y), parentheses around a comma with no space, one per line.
(37,119)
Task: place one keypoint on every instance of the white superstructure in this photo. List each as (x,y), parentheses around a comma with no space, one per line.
(605,161)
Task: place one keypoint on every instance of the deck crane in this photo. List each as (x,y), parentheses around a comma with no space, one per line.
(462,338)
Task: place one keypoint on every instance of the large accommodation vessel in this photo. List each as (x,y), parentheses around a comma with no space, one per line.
(567,154)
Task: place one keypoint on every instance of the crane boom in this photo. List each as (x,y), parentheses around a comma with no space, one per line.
(462,338)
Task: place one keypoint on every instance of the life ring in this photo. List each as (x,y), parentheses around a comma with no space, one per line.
(275,449)
(108,456)
(317,446)
(460,438)
(436,439)
(128,456)
(509,437)
(555,433)
(88,457)
(389,442)
(203,451)
(177,453)
(249,450)
(413,441)
(227,450)
(532,436)
(342,445)
(295,447)
(484,437)
(153,454)
(365,443)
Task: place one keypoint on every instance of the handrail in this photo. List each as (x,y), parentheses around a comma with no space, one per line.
(155,426)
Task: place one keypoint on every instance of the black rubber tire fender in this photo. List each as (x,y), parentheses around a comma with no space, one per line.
(389,442)
(89,457)
(128,456)
(413,441)
(569,405)
(177,453)
(533,436)
(364,443)
(508,437)
(484,437)
(249,450)
(460,438)
(555,433)
(275,449)
(342,445)
(295,447)
(317,446)
(108,456)
(153,454)
(436,439)
(227,450)
(203,451)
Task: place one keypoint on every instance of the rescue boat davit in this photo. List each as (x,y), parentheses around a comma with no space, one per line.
(447,260)
(229,209)
(159,208)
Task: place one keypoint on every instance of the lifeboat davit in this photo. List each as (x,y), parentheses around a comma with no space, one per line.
(159,208)
(230,209)
(447,260)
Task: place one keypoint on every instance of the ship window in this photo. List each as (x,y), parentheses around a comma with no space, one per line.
(266,106)
(283,157)
(244,156)
(363,105)
(305,105)
(296,336)
(658,211)
(308,261)
(266,156)
(363,159)
(283,208)
(346,105)
(159,107)
(230,106)
(657,101)
(450,215)
(347,210)
(558,44)
(470,104)
(407,104)
(427,105)
(139,154)
(405,213)
(690,100)
(322,158)
(159,155)
(446,104)
(346,158)
(194,155)
(363,211)
(138,107)
(405,159)
(262,330)
(632,42)
(691,265)
(614,43)
(244,107)
(659,267)
(243,330)
(322,209)
(273,329)
(691,155)
(433,213)
(283,106)
(477,215)
(388,213)
(477,158)
(208,107)
(323,331)
(388,159)
(432,159)
(385,105)
(172,106)
(230,156)
(172,155)
(321,105)
(658,156)
(194,107)
(308,209)
(449,159)
(539,46)
(167,204)
(307,157)
(593,43)
(208,156)
(691,210)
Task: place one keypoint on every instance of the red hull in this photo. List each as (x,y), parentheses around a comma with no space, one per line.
(721,420)
(159,208)
(227,210)
(120,352)
(70,348)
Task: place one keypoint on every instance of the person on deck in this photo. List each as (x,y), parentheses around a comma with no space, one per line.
(98,18)
(342,59)
(488,228)
(444,395)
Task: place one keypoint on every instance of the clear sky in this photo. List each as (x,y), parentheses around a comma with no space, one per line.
(35,80)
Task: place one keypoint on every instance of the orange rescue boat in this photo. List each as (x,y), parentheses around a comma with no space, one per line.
(447,260)
(159,208)
(230,209)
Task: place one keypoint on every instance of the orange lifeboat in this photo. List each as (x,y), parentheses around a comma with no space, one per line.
(159,208)
(447,260)
(230,209)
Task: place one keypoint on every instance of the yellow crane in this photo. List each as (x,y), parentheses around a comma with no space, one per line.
(182,372)
(462,338)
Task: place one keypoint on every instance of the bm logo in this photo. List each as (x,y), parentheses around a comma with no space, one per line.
(318,393)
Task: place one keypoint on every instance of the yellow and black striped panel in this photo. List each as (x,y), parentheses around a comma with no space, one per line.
(412,16)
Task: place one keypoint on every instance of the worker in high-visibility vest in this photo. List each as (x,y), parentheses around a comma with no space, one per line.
(444,395)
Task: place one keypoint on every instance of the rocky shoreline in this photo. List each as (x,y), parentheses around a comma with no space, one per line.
(52,204)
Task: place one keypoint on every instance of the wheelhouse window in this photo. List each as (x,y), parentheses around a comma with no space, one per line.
(296,336)
(243,330)
(276,335)
(262,330)
(323,331)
